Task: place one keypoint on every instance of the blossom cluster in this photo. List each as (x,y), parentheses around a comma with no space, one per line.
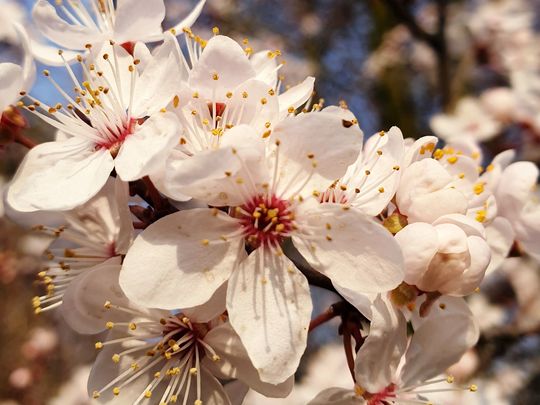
(200,203)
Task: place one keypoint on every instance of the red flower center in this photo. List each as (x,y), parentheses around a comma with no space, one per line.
(114,143)
(266,220)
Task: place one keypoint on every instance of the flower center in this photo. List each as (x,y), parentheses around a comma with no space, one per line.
(266,220)
(114,138)
(380,397)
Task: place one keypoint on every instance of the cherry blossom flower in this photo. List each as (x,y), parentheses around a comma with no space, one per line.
(192,253)
(81,25)
(115,122)
(225,88)
(392,369)
(371,182)
(449,256)
(470,119)
(97,233)
(163,356)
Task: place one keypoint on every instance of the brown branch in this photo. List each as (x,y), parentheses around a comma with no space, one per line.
(347,346)
(404,15)
(333,311)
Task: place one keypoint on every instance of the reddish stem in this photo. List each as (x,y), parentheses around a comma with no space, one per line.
(347,345)
(23,140)
(322,318)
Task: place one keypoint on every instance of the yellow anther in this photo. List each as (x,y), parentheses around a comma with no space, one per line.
(215,76)
(263,101)
(95,394)
(109,325)
(452,159)
(473,388)
(205,242)
(148,394)
(438,154)
(290,110)
(367,172)
(197,402)
(481,215)
(176,101)
(381,189)
(271,92)
(107,305)
(478,188)
(98,345)
(193,371)
(215,31)
(215,357)
(450,379)
(116,390)
(328,238)
(132,326)
(266,134)
(280,228)
(115,357)
(244,94)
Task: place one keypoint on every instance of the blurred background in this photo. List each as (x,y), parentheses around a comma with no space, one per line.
(430,67)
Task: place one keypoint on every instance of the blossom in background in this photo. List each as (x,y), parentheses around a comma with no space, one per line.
(267,297)
(470,119)
(96,234)
(15,78)
(391,368)
(115,122)
(131,21)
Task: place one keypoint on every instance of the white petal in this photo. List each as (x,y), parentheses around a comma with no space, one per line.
(424,359)
(169,266)
(270,307)
(500,237)
(468,225)
(472,277)
(226,342)
(316,138)
(359,254)
(59,176)
(144,151)
(236,391)
(29,67)
(419,243)
(227,59)
(159,81)
(48,55)
(106,217)
(211,309)
(105,371)
(83,301)
(379,187)
(67,35)
(211,175)
(423,195)
(138,21)
(378,358)
(420,149)
(11,83)
(265,67)
(296,96)
(515,186)
(337,396)
(190,19)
